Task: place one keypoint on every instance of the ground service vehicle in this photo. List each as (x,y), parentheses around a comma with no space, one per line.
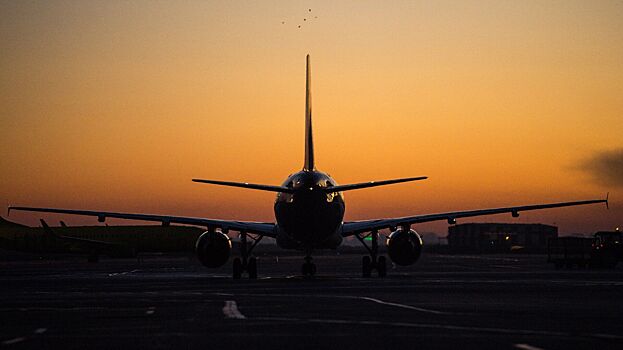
(604,250)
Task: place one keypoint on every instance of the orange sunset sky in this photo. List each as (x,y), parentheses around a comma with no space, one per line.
(111,105)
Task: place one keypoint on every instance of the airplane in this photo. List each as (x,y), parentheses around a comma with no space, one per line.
(309,212)
(94,241)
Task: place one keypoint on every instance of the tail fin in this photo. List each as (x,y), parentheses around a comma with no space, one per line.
(309,141)
(47,229)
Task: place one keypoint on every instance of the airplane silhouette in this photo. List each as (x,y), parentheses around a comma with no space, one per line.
(309,212)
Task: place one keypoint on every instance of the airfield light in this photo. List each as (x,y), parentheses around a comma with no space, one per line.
(507,238)
(369,238)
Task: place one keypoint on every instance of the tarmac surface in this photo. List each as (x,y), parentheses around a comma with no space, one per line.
(443,301)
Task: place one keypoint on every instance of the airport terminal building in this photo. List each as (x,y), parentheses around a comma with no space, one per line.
(500,237)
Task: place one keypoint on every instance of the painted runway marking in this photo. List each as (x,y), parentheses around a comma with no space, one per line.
(506,267)
(230,310)
(122,273)
(13,341)
(447,327)
(403,306)
(150,310)
(21,339)
(526,347)
(40,330)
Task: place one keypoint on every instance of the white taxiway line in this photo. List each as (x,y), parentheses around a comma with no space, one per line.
(21,339)
(40,330)
(230,310)
(150,310)
(526,347)
(403,306)
(447,327)
(13,341)
(122,273)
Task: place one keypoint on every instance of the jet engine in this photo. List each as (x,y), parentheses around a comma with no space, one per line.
(213,248)
(404,247)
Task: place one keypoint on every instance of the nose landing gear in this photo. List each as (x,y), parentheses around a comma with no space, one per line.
(309,268)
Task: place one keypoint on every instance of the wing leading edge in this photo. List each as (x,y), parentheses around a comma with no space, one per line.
(355,227)
(262,228)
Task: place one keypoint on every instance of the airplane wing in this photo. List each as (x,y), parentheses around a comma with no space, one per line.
(261,228)
(355,227)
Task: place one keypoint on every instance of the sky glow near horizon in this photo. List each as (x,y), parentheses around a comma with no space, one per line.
(117,105)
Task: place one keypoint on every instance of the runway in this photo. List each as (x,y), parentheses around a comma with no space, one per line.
(443,301)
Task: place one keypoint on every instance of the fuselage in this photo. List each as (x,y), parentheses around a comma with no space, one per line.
(310,217)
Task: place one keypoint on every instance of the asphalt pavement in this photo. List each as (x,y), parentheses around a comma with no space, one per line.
(443,301)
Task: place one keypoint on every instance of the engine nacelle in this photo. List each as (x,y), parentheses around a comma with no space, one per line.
(213,248)
(404,247)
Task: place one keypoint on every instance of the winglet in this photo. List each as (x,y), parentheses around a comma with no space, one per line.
(607,196)
(309,142)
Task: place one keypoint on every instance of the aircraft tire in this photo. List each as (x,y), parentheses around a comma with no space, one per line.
(308,269)
(366,266)
(237,267)
(252,268)
(381,266)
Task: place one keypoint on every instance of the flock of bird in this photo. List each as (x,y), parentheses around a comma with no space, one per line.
(304,19)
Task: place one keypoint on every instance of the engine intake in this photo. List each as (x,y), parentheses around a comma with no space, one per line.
(404,247)
(213,248)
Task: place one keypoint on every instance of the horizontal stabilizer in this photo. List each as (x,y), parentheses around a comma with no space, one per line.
(247,185)
(372,184)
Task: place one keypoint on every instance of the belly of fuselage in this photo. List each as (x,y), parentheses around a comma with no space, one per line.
(311,221)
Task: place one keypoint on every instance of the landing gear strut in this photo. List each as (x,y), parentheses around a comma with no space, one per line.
(309,268)
(373,261)
(246,264)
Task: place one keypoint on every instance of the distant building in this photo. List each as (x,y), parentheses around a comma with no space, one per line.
(499,237)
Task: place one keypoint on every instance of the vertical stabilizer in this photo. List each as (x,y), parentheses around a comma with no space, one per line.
(309,141)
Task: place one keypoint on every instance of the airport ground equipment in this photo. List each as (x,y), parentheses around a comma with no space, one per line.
(603,250)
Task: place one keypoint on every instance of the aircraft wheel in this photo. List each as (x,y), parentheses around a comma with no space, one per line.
(237,266)
(308,269)
(381,266)
(366,267)
(252,268)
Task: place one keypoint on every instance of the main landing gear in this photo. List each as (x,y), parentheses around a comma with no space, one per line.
(245,263)
(309,268)
(373,261)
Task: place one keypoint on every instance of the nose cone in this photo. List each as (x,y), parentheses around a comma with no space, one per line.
(309,215)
